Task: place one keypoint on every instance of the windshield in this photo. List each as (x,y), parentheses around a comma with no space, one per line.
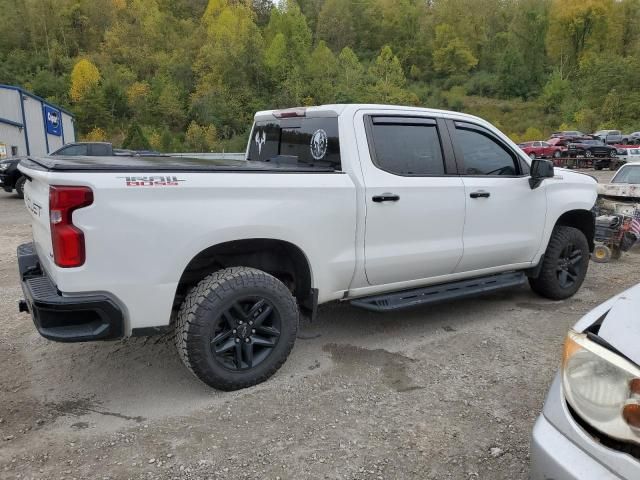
(306,140)
(629,174)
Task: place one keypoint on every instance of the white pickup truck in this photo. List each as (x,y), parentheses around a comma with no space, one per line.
(386,207)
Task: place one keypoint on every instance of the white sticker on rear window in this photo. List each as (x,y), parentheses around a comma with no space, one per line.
(318,145)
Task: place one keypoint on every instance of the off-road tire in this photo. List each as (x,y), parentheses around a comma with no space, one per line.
(548,284)
(202,310)
(20,186)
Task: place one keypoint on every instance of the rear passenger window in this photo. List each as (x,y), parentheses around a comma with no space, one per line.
(406,147)
(100,150)
(483,155)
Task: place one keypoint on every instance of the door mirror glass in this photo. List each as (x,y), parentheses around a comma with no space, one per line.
(540,169)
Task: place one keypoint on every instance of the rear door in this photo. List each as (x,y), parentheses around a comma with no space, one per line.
(505,218)
(415,204)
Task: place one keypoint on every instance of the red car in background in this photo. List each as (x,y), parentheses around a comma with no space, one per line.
(538,149)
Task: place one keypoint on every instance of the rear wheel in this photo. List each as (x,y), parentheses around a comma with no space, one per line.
(20,186)
(236,328)
(564,265)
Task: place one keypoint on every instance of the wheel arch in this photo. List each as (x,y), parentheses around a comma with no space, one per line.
(582,220)
(284,260)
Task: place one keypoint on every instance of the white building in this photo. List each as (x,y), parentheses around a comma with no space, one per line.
(29,125)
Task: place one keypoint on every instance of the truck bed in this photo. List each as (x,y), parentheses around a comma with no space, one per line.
(164,163)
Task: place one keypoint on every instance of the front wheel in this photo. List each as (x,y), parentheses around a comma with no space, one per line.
(564,264)
(236,328)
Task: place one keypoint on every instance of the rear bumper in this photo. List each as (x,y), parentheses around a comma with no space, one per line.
(65,318)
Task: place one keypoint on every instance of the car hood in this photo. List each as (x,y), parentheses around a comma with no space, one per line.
(619,325)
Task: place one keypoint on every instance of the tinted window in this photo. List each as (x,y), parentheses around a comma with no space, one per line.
(73,150)
(100,150)
(545,144)
(405,149)
(483,155)
(309,141)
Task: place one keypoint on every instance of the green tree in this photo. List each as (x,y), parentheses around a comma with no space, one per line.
(451,55)
(555,92)
(135,139)
(350,77)
(335,24)
(322,73)
(389,80)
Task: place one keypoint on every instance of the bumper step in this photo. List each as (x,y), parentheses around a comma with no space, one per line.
(440,293)
(64,318)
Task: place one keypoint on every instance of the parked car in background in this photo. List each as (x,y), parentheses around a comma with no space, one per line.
(628,174)
(539,149)
(611,136)
(589,428)
(592,149)
(569,135)
(10,177)
(634,138)
(627,155)
(91,149)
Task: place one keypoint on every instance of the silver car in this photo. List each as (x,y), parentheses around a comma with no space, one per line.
(590,426)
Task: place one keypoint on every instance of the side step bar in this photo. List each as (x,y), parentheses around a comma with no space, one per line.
(439,293)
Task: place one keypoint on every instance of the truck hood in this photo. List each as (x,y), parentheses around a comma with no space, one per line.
(620,326)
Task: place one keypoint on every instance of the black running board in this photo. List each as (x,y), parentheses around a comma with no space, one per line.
(439,293)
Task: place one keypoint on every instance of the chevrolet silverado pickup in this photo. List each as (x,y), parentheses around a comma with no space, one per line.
(384,207)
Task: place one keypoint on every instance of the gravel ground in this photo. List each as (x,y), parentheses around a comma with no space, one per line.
(441,392)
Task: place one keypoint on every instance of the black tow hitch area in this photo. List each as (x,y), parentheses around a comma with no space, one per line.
(23,306)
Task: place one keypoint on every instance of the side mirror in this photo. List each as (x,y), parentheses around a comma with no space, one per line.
(540,169)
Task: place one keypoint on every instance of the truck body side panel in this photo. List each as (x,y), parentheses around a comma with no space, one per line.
(141,235)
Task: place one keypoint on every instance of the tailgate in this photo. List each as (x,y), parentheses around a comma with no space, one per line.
(36,199)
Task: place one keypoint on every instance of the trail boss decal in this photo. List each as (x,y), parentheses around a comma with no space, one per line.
(154,181)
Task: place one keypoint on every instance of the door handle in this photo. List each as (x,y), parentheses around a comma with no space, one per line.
(480,194)
(386,197)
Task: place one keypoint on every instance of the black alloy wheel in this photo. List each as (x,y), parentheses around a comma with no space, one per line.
(564,264)
(568,265)
(236,327)
(246,333)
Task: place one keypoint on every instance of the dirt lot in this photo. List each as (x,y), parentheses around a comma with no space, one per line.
(422,394)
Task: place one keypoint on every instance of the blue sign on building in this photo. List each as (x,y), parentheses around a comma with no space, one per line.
(53,120)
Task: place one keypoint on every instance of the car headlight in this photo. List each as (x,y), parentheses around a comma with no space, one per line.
(3,166)
(602,387)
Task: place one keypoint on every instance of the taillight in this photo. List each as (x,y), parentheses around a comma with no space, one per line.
(67,239)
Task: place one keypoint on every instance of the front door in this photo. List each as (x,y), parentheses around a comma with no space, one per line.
(415,204)
(505,217)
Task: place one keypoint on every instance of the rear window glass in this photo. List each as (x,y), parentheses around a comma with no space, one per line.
(628,175)
(308,141)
